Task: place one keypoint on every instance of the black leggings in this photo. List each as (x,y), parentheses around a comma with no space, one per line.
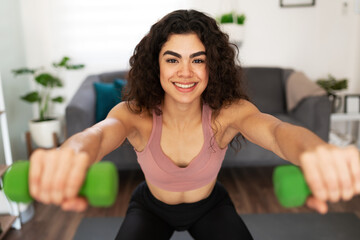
(212,218)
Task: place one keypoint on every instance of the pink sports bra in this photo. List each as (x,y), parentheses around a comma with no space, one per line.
(160,171)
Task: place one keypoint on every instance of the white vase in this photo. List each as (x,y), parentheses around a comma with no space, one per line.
(235,32)
(42,132)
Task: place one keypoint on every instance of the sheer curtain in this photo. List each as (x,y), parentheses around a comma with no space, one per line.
(102,34)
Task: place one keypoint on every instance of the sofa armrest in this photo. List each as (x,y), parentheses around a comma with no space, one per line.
(314,112)
(80,112)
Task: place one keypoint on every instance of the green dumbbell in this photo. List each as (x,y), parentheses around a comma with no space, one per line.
(290,186)
(100,186)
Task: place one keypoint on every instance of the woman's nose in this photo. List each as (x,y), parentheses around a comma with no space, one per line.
(185,70)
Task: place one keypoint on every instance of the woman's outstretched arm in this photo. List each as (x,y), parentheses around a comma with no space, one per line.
(333,173)
(56,175)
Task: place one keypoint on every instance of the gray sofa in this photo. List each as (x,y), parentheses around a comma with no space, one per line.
(266,88)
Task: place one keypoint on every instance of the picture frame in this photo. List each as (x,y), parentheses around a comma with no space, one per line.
(297,3)
(352,103)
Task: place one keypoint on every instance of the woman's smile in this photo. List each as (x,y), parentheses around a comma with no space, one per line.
(185,87)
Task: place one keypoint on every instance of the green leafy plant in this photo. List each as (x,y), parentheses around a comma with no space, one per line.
(45,83)
(232,17)
(331,84)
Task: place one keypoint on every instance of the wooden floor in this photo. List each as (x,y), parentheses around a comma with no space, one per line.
(250,189)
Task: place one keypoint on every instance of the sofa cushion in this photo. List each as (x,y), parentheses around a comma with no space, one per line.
(107,96)
(266,88)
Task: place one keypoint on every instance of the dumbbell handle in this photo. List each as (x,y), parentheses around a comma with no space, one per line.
(100,186)
(290,186)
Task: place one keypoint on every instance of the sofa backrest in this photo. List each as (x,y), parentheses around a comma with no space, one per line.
(111,76)
(266,88)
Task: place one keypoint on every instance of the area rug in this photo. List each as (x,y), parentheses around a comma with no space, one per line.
(294,226)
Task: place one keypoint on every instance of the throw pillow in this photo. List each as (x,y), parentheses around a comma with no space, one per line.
(107,96)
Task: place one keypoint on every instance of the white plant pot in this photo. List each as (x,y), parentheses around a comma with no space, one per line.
(42,132)
(236,32)
(27,212)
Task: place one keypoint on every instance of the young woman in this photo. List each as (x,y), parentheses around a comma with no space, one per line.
(183,106)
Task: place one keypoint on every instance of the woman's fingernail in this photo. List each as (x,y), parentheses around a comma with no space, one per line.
(34,193)
(67,206)
(321,194)
(57,196)
(323,210)
(334,196)
(348,193)
(357,187)
(44,197)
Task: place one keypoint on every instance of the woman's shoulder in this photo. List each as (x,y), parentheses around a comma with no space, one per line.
(130,112)
(235,111)
(239,105)
(137,122)
(132,108)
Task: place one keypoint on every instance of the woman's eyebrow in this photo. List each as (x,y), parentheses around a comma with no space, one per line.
(172,53)
(179,56)
(197,54)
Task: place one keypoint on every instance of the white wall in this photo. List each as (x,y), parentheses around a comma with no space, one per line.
(316,40)
(357,58)
(102,34)
(12,56)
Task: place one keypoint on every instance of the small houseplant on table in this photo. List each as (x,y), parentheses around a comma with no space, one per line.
(332,85)
(233,24)
(44,126)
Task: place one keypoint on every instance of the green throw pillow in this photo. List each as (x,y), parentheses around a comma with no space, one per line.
(107,96)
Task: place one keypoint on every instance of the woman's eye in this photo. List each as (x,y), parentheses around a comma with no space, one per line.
(171,60)
(199,61)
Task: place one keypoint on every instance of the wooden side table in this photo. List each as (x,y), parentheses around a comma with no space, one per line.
(31,149)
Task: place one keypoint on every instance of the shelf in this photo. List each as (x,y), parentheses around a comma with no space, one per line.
(345,117)
(6,221)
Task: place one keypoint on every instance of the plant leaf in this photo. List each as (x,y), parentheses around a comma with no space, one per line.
(62,63)
(75,66)
(22,71)
(331,84)
(340,84)
(241,19)
(58,99)
(32,97)
(48,80)
(227,18)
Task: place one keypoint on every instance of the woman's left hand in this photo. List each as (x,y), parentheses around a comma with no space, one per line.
(332,173)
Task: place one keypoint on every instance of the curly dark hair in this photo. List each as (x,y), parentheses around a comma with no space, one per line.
(144,90)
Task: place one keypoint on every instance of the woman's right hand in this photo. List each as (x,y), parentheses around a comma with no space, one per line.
(56,176)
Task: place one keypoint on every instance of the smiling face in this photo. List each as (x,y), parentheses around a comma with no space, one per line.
(183,72)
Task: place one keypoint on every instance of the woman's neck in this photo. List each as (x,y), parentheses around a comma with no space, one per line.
(180,115)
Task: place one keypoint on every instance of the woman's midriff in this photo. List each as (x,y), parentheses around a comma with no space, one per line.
(173,198)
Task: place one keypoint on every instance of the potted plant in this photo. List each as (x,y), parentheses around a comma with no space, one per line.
(43,127)
(332,85)
(233,24)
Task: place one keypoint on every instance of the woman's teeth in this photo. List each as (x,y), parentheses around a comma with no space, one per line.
(184,85)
